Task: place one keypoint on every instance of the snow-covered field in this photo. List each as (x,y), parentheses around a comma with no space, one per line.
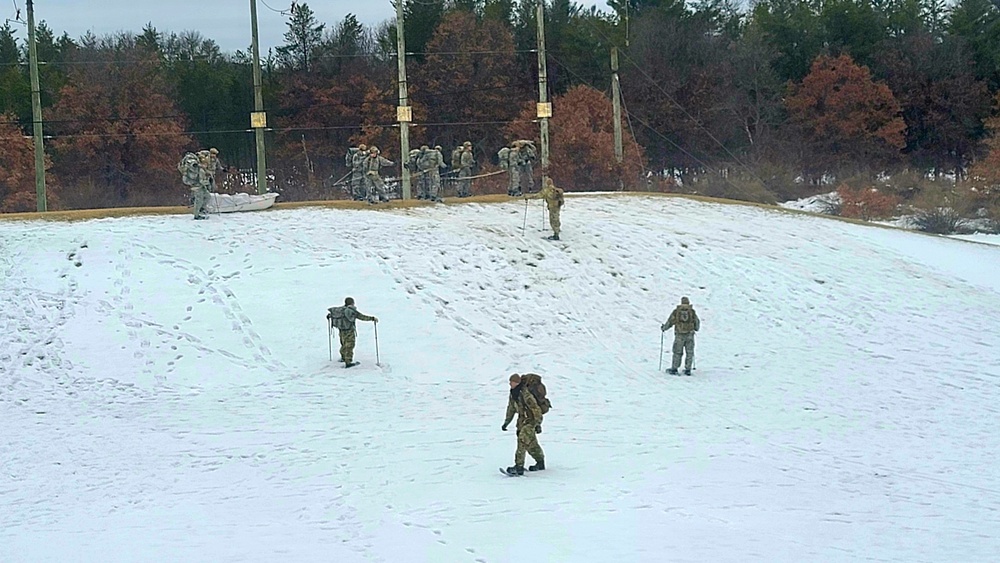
(166,392)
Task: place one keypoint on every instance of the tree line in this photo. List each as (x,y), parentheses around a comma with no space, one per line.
(763,102)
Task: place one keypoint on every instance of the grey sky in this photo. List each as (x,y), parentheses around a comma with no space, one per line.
(225,21)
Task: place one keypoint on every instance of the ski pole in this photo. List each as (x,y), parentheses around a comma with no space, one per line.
(525,222)
(376,344)
(660,365)
(329,329)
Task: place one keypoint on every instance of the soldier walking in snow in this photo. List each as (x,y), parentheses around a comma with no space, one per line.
(343,319)
(554,200)
(529,424)
(685,322)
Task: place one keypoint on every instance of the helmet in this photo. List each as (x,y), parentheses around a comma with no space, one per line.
(363,147)
(213,150)
(467,144)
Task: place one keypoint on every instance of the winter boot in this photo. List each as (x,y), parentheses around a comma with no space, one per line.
(515,470)
(687,372)
(539,466)
(672,371)
(553,237)
(351,364)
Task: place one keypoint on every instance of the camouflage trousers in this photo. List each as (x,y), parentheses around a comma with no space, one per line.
(683,344)
(348,338)
(464,186)
(200,199)
(514,181)
(358,185)
(527,441)
(526,177)
(376,188)
(433,184)
(554,219)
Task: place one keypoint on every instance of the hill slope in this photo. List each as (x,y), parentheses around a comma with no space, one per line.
(166,389)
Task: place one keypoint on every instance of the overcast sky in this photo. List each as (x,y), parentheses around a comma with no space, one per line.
(225,21)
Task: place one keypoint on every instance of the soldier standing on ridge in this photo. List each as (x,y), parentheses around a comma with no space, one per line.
(464,165)
(357,164)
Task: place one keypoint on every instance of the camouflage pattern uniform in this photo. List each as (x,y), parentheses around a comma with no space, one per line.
(513,170)
(349,337)
(201,191)
(685,322)
(376,187)
(436,162)
(525,164)
(214,166)
(554,200)
(464,166)
(421,166)
(357,165)
(529,417)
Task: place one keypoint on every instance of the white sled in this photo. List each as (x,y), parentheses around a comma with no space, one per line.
(225,203)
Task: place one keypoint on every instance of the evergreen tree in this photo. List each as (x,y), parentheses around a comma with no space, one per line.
(303,37)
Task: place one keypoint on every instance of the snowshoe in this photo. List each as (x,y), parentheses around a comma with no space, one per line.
(515,470)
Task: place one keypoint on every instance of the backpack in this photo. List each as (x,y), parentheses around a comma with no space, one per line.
(338,318)
(189,167)
(533,382)
(504,156)
(685,319)
(456,158)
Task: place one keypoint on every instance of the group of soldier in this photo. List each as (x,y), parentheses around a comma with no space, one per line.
(198,173)
(427,163)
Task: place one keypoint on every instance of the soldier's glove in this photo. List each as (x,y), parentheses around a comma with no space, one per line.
(663,327)
(504,428)
(538,429)
(374,319)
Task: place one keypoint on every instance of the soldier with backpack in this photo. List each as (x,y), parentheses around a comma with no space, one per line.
(685,322)
(527,400)
(554,200)
(343,319)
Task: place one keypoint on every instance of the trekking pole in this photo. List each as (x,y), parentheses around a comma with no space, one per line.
(376,345)
(525,222)
(660,365)
(329,334)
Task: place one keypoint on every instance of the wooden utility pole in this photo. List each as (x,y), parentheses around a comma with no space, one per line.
(616,98)
(404,113)
(258,119)
(36,113)
(544,107)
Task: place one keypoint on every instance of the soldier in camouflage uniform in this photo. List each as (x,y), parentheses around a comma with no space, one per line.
(529,422)
(349,336)
(214,166)
(436,163)
(201,191)
(525,165)
(376,187)
(685,322)
(357,165)
(554,200)
(464,166)
(513,170)
(413,165)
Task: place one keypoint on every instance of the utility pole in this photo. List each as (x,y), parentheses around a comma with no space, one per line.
(404,114)
(616,99)
(36,112)
(544,106)
(258,119)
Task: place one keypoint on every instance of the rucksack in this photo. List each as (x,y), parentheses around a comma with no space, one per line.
(339,319)
(456,158)
(685,319)
(533,382)
(189,167)
(504,156)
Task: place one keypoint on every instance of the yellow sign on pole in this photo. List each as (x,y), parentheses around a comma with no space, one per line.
(258,119)
(404,114)
(544,109)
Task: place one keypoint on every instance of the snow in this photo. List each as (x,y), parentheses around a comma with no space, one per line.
(166,391)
